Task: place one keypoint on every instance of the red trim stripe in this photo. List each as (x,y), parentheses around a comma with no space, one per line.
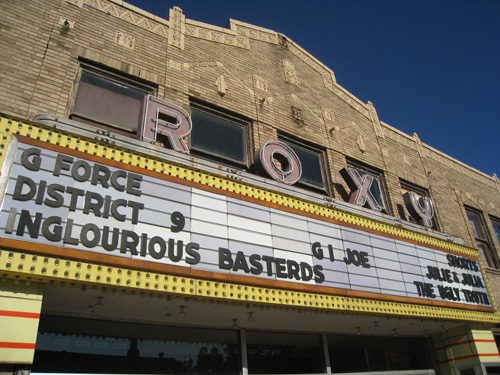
(19,314)
(463,343)
(16,345)
(483,340)
(470,356)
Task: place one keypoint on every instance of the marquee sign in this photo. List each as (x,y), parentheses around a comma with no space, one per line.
(72,202)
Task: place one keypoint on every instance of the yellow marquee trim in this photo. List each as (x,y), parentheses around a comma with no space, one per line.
(28,268)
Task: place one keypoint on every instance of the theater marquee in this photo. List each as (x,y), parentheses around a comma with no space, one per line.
(71,201)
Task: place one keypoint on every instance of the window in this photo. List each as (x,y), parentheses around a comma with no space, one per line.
(372,353)
(421,210)
(284,353)
(367,188)
(312,161)
(110,101)
(73,345)
(496,227)
(482,239)
(219,136)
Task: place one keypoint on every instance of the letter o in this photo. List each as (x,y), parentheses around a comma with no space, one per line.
(160,253)
(75,171)
(84,238)
(280,162)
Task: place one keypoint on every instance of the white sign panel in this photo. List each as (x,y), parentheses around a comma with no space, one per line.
(56,199)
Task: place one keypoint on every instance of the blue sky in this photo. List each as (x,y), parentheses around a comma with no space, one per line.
(429,66)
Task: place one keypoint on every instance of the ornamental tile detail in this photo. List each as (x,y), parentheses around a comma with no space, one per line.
(130,16)
(290,73)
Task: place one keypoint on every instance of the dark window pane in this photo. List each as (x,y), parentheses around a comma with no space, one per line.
(484,253)
(371,353)
(475,225)
(483,240)
(311,166)
(470,371)
(283,353)
(496,228)
(347,354)
(218,136)
(85,346)
(108,102)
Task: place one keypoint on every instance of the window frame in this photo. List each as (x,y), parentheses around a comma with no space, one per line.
(422,192)
(116,77)
(313,149)
(379,178)
(483,241)
(495,223)
(241,121)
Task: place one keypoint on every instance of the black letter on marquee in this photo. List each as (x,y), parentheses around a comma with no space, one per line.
(320,277)
(129,241)
(61,161)
(56,234)
(33,226)
(178,221)
(75,171)
(34,164)
(317,251)
(256,268)
(192,250)
(225,260)
(18,190)
(97,235)
(163,247)
(105,238)
(55,192)
(171,247)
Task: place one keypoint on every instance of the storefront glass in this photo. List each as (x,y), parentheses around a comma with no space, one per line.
(284,353)
(97,346)
(372,353)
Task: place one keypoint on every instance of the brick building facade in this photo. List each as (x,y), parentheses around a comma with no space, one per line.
(240,281)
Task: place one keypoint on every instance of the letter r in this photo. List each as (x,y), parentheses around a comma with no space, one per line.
(167,119)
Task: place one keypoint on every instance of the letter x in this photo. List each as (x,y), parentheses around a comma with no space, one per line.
(361,189)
